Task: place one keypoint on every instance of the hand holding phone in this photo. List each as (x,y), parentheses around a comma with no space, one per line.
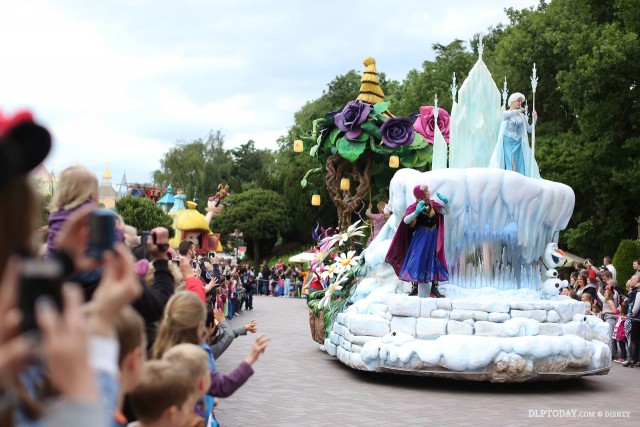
(65,345)
(102,233)
(16,349)
(40,280)
(119,287)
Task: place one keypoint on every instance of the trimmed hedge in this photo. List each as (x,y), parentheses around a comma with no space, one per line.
(628,250)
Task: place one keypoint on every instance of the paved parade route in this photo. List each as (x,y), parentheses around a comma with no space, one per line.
(296,384)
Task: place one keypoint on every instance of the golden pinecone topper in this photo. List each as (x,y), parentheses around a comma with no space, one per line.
(370,90)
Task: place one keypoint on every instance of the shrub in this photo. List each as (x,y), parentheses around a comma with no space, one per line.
(628,250)
(143,214)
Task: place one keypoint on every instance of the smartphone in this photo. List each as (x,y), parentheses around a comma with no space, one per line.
(176,262)
(38,278)
(194,263)
(101,232)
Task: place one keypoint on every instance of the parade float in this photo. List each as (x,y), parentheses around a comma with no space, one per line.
(192,225)
(502,318)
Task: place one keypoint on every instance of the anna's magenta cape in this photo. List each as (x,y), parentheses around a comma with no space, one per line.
(402,239)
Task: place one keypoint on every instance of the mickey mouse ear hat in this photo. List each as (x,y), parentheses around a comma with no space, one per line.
(23,145)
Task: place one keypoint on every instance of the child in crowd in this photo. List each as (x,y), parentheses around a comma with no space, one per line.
(221,334)
(184,322)
(164,397)
(586,299)
(280,288)
(618,332)
(232,297)
(77,187)
(219,301)
(191,359)
(131,334)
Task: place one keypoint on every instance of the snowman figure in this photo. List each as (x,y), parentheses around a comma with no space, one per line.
(553,257)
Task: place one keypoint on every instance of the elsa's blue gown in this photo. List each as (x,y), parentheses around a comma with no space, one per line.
(512,140)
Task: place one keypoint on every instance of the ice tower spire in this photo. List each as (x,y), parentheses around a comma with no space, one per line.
(439,144)
(476,119)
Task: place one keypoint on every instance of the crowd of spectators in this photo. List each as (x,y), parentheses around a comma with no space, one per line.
(281,280)
(603,296)
(82,313)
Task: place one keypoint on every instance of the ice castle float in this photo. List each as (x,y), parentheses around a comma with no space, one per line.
(497,322)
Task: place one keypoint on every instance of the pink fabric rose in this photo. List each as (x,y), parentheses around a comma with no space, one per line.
(425,123)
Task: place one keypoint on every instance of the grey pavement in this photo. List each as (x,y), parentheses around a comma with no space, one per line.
(297,384)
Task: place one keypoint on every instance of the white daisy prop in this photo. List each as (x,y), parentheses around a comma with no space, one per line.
(353,231)
(346,261)
(337,285)
(330,271)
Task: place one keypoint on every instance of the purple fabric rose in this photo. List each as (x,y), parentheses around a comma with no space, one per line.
(351,117)
(425,123)
(397,132)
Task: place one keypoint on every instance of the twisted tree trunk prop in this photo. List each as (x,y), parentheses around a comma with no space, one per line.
(346,202)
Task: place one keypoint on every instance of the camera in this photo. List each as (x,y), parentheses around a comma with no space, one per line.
(38,278)
(143,239)
(101,232)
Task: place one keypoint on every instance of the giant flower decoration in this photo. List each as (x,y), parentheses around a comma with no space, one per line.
(328,271)
(352,231)
(337,285)
(397,132)
(348,260)
(352,116)
(425,123)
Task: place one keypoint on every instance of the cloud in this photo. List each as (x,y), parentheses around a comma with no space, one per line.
(123,81)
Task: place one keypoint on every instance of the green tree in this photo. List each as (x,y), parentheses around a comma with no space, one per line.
(420,87)
(585,54)
(250,166)
(143,214)
(261,215)
(197,167)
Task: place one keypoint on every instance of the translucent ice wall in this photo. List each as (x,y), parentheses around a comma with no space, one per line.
(475,120)
(439,150)
(499,224)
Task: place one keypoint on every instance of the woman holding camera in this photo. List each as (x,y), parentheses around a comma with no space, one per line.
(512,150)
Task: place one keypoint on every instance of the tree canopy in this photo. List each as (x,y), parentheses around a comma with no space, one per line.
(143,214)
(260,214)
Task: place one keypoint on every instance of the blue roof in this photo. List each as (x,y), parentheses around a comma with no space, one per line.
(167,199)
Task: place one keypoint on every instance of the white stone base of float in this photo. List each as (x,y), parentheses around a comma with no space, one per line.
(483,334)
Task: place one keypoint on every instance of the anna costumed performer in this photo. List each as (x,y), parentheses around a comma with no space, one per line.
(417,249)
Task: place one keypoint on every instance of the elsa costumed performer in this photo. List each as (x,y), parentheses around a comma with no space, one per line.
(512,150)
(416,252)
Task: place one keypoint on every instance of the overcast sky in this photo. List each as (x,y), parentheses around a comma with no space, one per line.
(123,81)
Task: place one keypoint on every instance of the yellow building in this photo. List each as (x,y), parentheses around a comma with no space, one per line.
(191,225)
(107,195)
